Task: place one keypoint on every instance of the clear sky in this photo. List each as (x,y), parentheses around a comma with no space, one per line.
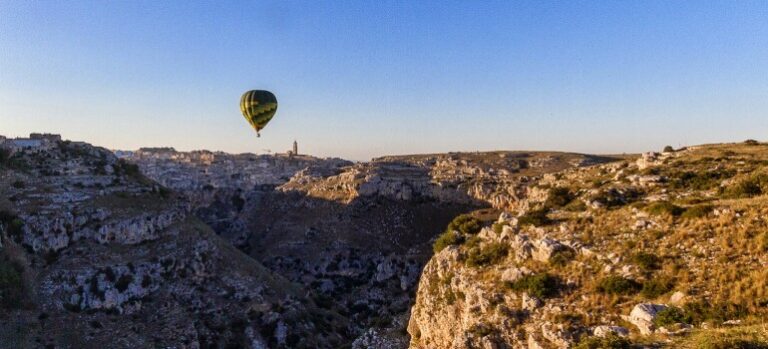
(359,79)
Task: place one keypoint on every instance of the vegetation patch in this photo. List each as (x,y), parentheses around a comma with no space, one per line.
(446,239)
(614,197)
(11,284)
(540,285)
(535,218)
(717,312)
(702,180)
(755,185)
(562,257)
(457,231)
(671,316)
(558,197)
(465,224)
(647,261)
(664,208)
(123,282)
(489,254)
(616,284)
(697,211)
(657,287)
(12,225)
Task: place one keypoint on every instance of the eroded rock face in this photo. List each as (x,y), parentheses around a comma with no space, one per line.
(112,259)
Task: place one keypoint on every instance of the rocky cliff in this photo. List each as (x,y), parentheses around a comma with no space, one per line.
(357,235)
(94,255)
(663,250)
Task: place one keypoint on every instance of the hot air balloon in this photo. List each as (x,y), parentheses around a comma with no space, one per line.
(258,107)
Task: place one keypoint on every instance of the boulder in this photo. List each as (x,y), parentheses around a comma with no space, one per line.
(642,316)
(605,330)
(544,249)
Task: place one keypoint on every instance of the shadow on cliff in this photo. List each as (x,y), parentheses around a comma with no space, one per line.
(361,259)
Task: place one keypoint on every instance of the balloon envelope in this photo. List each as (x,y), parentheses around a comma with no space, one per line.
(258,107)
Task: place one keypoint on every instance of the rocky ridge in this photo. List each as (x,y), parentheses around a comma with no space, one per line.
(94,254)
(667,249)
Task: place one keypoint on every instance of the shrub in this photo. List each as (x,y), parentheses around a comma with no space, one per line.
(647,261)
(657,287)
(11,284)
(18,184)
(611,341)
(671,316)
(491,253)
(499,227)
(558,197)
(466,224)
(12,223)
(615,284)
(750,187)
(717,312)
(123,282)
(668,149)
(576,206)
(664,207)
(614,197)
(697,211)
(5,156)
(540,285)
(751,142)
(536,218)
(562,257)
(703,180)
(446,239)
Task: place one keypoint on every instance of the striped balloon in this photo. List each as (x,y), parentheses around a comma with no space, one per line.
(258,108)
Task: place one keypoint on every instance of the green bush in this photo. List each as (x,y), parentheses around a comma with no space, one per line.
(540,285)
(11,284)
(123,282)
(753,186)
(558,197)
(615,284)
(489,254)
(466,224)
(576,206)
(697,211)
(703,180)
(671,316)
(18,184)
(446,239)
(499,227)
(647,261)
(668,149)
(664,207)
(5,156)
(536,218)
(751,142)
(12,223)
(657,287)
(562,257)
(716,312)
(611,341)
(614,197)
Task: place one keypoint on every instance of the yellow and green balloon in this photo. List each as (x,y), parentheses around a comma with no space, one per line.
(258,107)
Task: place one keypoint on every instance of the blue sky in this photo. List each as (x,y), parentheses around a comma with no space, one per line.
(361,79)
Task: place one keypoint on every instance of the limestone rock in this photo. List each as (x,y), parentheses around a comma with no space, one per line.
(642,316)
